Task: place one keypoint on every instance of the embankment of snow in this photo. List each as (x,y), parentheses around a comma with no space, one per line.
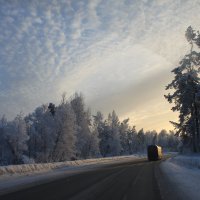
(189,161)
(16,177)
(30,168)
(183,172)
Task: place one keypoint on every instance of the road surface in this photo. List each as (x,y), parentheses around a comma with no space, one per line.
(136,180)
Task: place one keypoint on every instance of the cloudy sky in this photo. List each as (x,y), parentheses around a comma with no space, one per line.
(118,53)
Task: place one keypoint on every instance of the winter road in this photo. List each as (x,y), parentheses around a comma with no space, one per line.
(136,180)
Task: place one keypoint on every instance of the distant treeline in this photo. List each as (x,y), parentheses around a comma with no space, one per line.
(68,131)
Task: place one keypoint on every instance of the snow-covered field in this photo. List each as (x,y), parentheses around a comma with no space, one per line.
(184,173)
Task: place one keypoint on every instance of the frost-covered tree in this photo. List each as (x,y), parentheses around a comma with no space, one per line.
(65,132)
(151,137)
(173,142)
(128,138)
(163,138)
(132,141)
(93,144)
(42,132)
(52,137)
(124,139)
(33,138)
(115,124)
(16,137)
(141,140)
(5,151)
(98,123)
(185,87)
(103,134)
(109,135)
(113,144)
(83,120)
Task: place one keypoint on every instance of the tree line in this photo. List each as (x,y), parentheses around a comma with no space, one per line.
(69,131)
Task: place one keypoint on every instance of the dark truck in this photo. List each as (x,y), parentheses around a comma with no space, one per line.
(154,152)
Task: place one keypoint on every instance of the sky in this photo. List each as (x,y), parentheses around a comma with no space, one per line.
(118,53)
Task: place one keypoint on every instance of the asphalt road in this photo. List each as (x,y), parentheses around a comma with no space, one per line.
(134,180)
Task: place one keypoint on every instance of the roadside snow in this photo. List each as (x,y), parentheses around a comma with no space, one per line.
(31,168)
(189,161)
(15,177)
(184,173)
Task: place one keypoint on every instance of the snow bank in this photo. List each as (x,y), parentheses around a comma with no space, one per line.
(29,168)
(190,161)
(184,173)
(15,177)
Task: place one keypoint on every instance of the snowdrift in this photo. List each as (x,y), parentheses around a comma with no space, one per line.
(29,168)
(190,161)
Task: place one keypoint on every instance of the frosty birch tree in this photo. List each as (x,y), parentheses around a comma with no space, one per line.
(65,132)
(17,138)
(42,134)
(83,120)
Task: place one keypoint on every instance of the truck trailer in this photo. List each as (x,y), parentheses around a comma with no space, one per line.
(154,152)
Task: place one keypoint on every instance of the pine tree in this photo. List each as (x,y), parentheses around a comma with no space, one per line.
(185,86)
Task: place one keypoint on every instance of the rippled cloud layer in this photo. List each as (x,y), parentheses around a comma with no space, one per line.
(117,53)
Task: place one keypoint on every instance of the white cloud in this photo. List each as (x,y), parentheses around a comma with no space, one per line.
(106,49)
